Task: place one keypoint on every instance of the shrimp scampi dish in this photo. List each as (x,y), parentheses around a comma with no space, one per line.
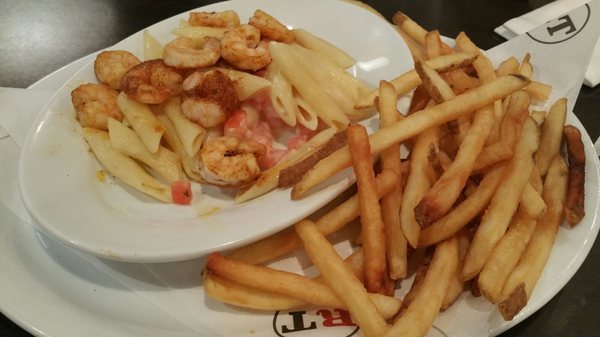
(221,102)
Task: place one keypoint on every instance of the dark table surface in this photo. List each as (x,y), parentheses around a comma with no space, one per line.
(37,37)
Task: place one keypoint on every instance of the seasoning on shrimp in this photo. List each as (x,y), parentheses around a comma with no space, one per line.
(230,161)
(152,82)
(225,19)
(208,98)
(94,104)
(242,48)
(182,53)
(271,28)
(111,65)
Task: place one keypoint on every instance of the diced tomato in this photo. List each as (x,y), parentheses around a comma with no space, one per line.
(236,125)
(181,192)
(272,157)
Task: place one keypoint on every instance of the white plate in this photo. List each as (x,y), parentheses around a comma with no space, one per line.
(58,173)
(52,290)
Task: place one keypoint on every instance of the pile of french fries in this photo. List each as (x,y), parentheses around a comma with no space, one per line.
(476,205)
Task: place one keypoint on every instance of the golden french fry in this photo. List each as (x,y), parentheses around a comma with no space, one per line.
(412,125)
(505,256)
(287,241)
(456,286)
(508,66)
(341,280)
(440,198)
(466,211)
(509,129)
(460,81)
(504,203)
(373,237)
(410,80)
(538,116)
(532,203)
(552,131)
(227,291)
(575,201)
(531,264)
(290,284)
(415,31)
(420,313)
(525,69)
(417,183)
(396,245)
(433,44)
(415,49)
(539,91)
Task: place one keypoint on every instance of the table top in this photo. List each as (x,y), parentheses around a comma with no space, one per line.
(38,37)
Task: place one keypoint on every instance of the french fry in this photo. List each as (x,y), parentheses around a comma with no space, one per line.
(412,125)
(504,203)
(539,91)
(574,204)
(440,198)
(410,80)
(460,81)
(508,66)
(227,291)
(538,116)
(230,292)
(287,241)
(532,203)
(396,245)
(420,313)
(341,280)
(433,44)
(456,286)
(531,264)
(415,49)
(418,183)
(415,31)
(509,130)
(290,284)
(373,236)
(525,68)
(552,131)
(466,211)
(505,256)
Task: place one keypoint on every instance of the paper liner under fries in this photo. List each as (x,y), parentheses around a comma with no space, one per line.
(560,49)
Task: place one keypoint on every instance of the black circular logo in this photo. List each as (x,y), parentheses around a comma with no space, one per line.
(562,28)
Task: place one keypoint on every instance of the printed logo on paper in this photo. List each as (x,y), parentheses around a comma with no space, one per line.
(562,28)
(324,322)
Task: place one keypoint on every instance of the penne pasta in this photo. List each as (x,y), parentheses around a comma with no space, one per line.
(123,167)
(307,116)
(282,96)
(164,161)
(190,134)
(324,48)
(189,163)
(198,33)
(245,83)
(152,48)
(308,86)
(142,120)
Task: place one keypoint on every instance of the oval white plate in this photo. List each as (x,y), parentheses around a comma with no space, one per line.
(58,173)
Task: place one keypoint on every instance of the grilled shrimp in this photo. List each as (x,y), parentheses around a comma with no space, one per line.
(151,82)
(225,19)
(229,161)
(243,49)
(182,53)
(208,98)
(271,28)
(111,65)
(94,104)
